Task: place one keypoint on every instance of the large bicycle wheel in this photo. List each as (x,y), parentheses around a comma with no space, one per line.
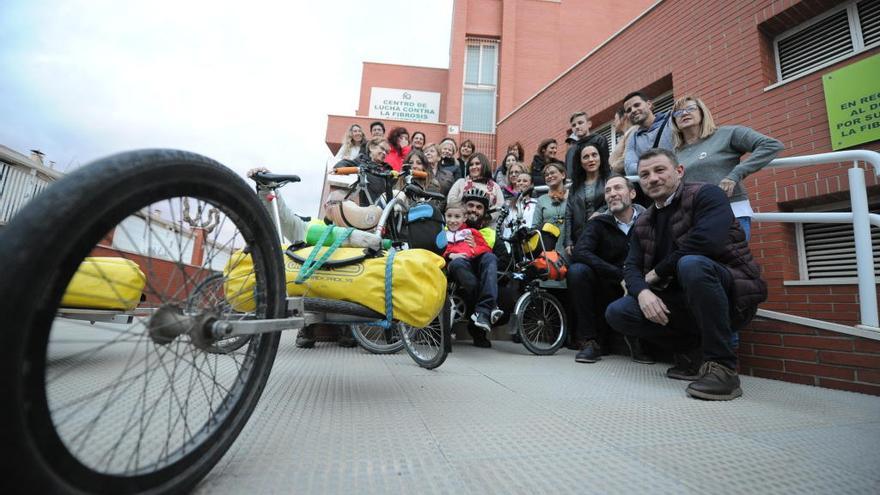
(142,403)
(429,346)
(540,322)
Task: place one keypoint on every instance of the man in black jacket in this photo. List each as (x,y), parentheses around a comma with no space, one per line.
(580,126)
(596,272)
(690,277)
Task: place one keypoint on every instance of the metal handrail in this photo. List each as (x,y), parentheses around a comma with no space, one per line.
(861,220)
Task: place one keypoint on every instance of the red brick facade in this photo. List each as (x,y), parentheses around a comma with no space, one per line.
(723,52)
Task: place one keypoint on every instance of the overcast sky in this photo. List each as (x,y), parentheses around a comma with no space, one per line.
(245,83)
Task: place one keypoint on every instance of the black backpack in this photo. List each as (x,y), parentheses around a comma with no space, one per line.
(424,228)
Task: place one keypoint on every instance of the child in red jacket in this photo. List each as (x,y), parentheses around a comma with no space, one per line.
(462,241)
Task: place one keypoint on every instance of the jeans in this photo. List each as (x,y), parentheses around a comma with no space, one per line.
(588,293)
(746,224)
(699,312)
(478,278)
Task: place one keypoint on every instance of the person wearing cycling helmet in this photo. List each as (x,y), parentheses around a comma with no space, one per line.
(477,276)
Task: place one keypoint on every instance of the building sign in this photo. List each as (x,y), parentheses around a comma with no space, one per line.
(404,104)
(852,97)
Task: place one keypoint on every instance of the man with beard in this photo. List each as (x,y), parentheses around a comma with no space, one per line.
(690,277)
(653,130)
(596,271)
(477,277)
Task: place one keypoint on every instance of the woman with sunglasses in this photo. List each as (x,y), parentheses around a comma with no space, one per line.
(713,154)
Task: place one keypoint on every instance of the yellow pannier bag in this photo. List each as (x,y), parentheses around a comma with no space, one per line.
(418,282)
(105,283)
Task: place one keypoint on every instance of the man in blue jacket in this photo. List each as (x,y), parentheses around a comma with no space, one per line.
(690,277)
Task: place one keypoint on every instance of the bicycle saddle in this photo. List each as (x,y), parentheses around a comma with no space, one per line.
(279,180)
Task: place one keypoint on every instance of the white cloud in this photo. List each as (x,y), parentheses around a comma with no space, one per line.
(246,83)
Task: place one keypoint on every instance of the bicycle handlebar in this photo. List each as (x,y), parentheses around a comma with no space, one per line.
(345,170)
(418,191)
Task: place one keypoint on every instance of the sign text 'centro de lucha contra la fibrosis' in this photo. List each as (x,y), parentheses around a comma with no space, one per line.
(404,104)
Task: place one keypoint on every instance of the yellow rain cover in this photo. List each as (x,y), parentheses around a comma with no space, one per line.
(418,287)
(105,283)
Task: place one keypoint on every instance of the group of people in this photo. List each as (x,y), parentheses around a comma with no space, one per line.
(663,259)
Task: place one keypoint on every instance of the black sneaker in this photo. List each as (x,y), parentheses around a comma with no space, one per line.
(516,339)
(716,382)
(345,338)
(636,351)
(482,322)
(687,366)
(305,339)
(589,353)
(480,340)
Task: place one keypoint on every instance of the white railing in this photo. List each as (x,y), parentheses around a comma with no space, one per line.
(860,217)
(20,180)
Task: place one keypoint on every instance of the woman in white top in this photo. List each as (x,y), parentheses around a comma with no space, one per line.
(353,144)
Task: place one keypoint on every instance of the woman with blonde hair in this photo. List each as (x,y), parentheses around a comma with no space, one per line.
(714,154)
(442,179)
(353,144)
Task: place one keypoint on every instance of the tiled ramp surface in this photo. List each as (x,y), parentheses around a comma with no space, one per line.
(503,421)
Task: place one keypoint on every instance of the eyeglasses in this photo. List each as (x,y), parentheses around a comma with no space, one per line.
(687,109)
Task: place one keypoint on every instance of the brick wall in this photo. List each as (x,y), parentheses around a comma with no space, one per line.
(794,353)
(722,52)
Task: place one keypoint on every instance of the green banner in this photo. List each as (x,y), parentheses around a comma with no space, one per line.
(852,97)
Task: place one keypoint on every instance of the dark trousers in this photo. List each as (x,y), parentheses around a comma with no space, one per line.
(588,296)
(700,312)
(478,278)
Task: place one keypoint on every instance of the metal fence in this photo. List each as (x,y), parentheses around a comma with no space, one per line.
(19,183)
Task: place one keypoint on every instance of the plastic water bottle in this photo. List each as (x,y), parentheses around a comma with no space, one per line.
(357,238)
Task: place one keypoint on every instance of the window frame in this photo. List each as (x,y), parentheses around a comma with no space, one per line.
(479,86)
(855,31)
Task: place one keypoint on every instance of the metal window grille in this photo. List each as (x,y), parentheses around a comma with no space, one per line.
(828,38)
(480,79)
(827,251)
(869,21)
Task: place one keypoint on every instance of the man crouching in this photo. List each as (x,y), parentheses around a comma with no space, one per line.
(691,280)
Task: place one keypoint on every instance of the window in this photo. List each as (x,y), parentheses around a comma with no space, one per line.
(828,251)
(480,73)
(839,33)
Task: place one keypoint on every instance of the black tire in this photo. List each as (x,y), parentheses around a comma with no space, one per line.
(540,322)
(72,421)
(372,338)
(377,339)
(429,346)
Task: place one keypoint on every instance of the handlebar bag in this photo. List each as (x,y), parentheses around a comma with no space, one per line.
(424,228)
(105,283)
(418,282)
